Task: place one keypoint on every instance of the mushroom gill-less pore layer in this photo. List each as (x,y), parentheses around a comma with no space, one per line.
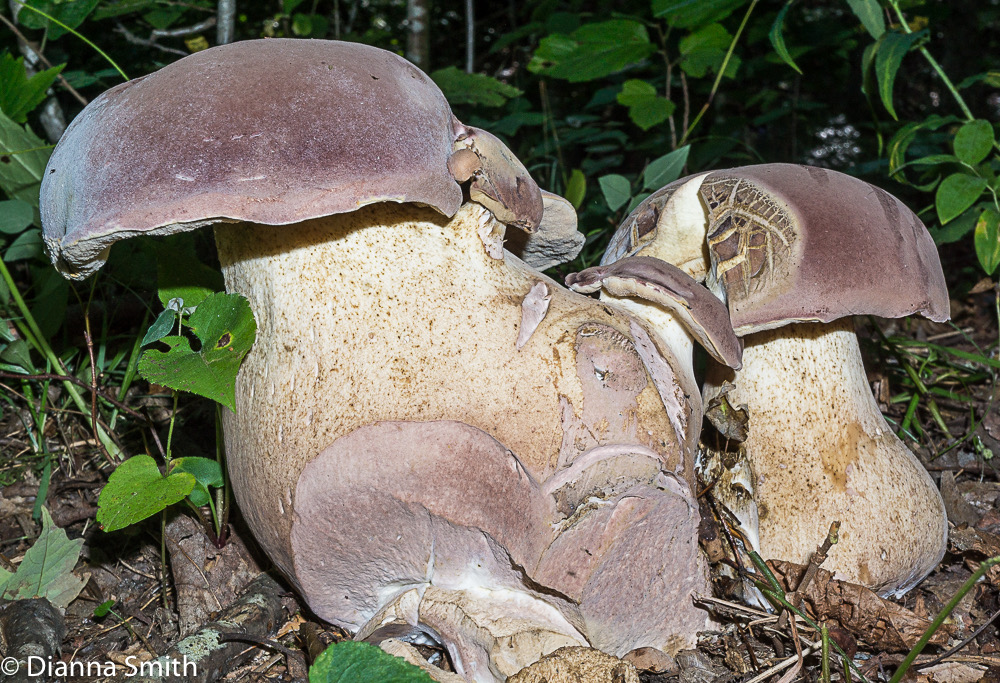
(392,317)
(822,452)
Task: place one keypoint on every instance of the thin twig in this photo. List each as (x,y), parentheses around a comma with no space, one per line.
(79,382)
(62,79)
(817,558)
(961,645)
(200,27)
(136,40)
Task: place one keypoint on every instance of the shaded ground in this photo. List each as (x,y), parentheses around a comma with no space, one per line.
(954,425)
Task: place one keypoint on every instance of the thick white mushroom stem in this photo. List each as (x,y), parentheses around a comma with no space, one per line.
(821,452)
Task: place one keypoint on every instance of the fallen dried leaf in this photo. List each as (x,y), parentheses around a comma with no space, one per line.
(883,624)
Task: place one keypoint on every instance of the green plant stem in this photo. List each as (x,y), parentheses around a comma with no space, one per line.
(75,33)
(942,615)
(934,64)
(720,74)
(37,339)
(170,430)
(824,635)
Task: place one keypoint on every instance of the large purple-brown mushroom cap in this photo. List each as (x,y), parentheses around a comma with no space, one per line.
(185,147)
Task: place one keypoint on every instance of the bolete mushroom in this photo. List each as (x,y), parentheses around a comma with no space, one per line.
(431,438)
(795,251)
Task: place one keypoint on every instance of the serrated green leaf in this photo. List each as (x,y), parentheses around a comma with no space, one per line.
(705,50)
(576,188)
(870,14)
(974,141)
(15,216)
(777,38)
(645,107)
(70,12)
(352,662)
(137,490)
(617,190)
(694,13)
(226,329)
(20,169)
(892,47)
(18,93)
(592,51)
(666,169)
(47,568)
(988,240)
(478,89)
(956,193)
(206,472)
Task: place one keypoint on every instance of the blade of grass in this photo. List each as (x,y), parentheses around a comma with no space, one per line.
(939,619)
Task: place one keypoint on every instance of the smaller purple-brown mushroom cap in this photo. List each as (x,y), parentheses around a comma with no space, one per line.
(790,243)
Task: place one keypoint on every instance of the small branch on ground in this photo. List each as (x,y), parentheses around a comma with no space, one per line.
(30,628)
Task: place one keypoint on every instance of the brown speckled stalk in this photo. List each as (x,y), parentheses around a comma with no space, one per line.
(822,452)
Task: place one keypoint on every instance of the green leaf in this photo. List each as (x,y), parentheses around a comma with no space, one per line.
(18,93)
(778,39)
(352,662)
(301,24)
(161,327)
(181,275)
(592,51)
(103,609)
(645,107)
(226,329)
(705,50)
(18,354)
(478,89)
(892,47)
(47,568)
(70,12)
(136,490)
(27,245)
(870,14)
(988,240)
(974,141)
(21,170)
(666,169)
(576,188)
(957,229)
(617,190)
(694,13)
(206,472)
(15,216)
(956,193)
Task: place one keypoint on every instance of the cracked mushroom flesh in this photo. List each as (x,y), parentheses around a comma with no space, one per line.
(432,440)
(795,251)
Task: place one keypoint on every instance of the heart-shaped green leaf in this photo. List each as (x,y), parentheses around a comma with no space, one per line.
(206,472)
(353,662)
(226,329)
(137,490)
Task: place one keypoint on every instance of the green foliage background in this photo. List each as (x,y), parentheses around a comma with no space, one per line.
(604,102)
